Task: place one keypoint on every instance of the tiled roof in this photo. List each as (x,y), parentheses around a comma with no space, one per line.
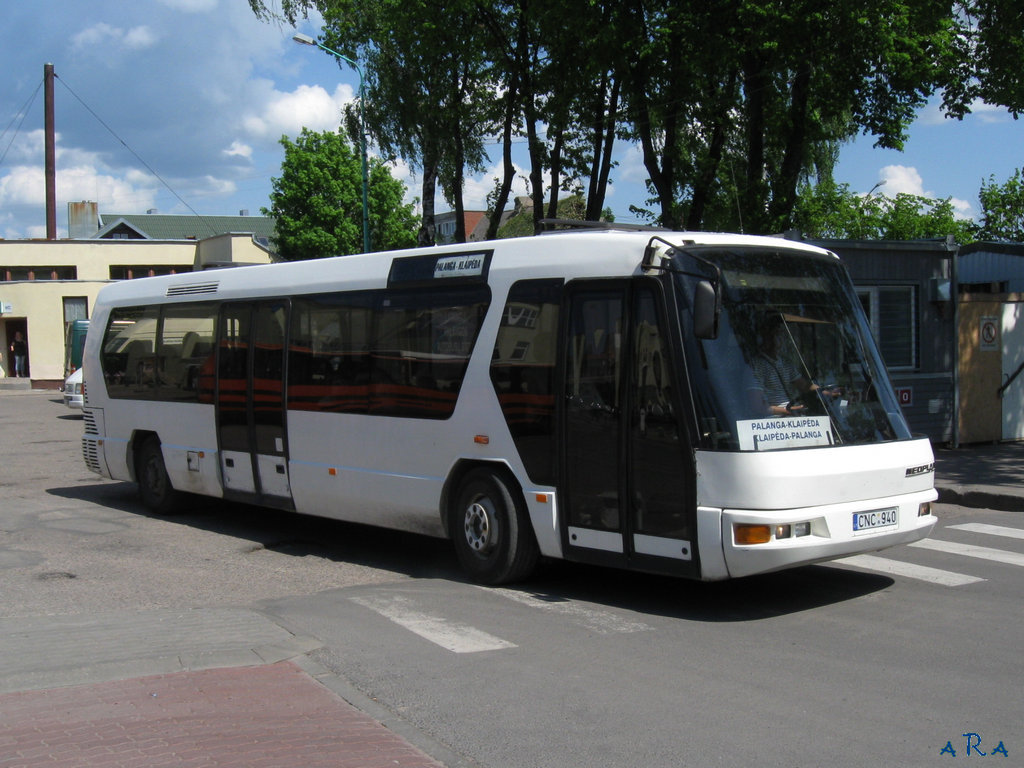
(161,226)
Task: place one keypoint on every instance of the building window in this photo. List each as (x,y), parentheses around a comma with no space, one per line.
(10,274)
(892,312)
(75,308)
(132,271)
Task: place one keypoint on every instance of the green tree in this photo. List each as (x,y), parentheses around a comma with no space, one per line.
(733,99)
(426,89)
(734,103)
(987,61)
(828,211)
(1002,209)
(318,206)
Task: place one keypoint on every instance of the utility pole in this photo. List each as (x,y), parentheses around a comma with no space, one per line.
(51,165)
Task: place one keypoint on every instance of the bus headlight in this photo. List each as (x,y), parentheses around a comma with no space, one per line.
(924,509)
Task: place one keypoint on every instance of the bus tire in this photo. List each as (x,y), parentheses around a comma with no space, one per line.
(493,537)
(155,487)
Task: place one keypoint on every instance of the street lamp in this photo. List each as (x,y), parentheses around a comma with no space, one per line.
(298,37)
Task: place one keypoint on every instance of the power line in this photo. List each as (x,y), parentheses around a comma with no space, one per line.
(24,113)
(136,155)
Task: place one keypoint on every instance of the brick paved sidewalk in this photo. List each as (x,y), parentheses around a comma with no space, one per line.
(253,717)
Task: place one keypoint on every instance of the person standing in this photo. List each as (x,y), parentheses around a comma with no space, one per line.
(19,351)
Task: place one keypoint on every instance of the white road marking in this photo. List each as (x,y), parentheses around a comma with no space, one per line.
(911,571)
(601,622)
(969,550)
(458,638)
(993,530)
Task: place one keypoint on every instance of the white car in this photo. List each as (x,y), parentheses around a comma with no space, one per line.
(73,390)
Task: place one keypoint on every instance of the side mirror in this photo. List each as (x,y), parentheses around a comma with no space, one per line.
(705,311)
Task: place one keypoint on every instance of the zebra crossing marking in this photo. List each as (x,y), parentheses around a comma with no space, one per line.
(458,638)
(971,550)
(992,530)
(602,622)
(910,570)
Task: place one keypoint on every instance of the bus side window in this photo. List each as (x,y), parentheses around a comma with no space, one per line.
(128,359)
(523,372)
(186,340)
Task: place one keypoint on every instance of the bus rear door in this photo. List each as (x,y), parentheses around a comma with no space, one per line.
(627,473)
(251,425)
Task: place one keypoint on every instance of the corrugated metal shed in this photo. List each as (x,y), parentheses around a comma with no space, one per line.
(998,265)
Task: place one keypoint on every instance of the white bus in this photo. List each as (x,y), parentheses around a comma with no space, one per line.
(594,396)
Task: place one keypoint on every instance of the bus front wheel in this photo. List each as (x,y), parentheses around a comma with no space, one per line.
(491,530)
(155,487)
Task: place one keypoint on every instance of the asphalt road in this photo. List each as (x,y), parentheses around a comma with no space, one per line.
(899,659)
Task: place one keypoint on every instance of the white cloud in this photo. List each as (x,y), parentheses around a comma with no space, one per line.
(27,147)
(102,35)
(139,37)
(899,179)
(902,179)
(111,192)
(23,184)
(961,208)
(986,113)
(191,6)
(238,149)
(210,186)
(308,106)
(631,168)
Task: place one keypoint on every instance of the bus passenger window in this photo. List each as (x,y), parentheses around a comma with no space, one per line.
(523,372)
(186,341)
(128,359)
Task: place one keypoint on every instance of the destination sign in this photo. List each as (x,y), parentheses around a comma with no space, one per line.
(789,432)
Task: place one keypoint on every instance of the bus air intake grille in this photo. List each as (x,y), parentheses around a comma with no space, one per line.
(192,289)
(90,453)
(90,422)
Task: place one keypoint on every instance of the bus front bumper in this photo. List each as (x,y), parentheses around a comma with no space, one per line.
(758,541)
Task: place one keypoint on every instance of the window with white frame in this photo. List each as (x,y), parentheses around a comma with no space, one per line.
(892,311)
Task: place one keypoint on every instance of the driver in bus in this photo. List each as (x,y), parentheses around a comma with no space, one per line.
(780,382)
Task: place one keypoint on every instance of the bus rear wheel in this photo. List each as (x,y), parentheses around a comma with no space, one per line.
(155,487)
(491,530)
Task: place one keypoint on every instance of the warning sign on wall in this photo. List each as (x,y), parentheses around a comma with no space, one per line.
(989,334)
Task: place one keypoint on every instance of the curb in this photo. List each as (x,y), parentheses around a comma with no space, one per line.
(373,709)
(973,497)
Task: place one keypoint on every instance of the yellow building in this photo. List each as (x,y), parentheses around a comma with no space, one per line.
(45,284)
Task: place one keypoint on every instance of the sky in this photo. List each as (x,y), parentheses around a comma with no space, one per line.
(179,106)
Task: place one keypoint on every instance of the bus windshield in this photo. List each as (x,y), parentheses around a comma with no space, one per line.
(793,364)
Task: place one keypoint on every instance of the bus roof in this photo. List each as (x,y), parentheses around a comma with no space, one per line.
(566,254)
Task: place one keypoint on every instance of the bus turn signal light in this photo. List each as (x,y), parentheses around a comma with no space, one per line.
(749,533)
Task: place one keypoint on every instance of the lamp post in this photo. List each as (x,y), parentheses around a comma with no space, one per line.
(298,37)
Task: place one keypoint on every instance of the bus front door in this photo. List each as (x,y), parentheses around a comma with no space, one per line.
(250,402)
(628,479)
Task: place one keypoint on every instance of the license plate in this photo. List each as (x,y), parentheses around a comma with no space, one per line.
(875,519)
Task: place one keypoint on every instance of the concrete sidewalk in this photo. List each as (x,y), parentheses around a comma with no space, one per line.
(985,476)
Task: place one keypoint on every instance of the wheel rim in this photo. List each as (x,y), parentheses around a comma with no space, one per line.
(481,526)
